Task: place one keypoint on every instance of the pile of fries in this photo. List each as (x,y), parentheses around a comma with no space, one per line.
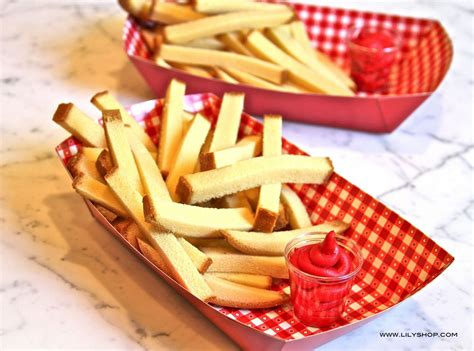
(240,42)
(211,211)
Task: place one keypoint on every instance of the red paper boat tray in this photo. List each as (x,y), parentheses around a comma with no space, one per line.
(399,260)
(426,56)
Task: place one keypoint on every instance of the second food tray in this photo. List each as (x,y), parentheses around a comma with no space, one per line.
(426,56)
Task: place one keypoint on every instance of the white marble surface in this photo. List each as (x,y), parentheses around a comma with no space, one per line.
(66,284)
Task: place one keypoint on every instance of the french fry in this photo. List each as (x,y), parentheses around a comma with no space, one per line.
(272,129)
(237,200)
(163,12)
(170,13)
(194,70)
(119,148)
(79,125)
(80,164)
(255,243)
(187,119)
(228,122)
(255,280)
(104,163)
(282,219)
(236,295)
(97,192)
(194,56)
(91,153)
(150,174)
(144,161)
(177,260)
(153,256)
(162,63)
(255,81)
(298,216)
(132,233)
(285,41)
(121,223)
(109,215)
(247,147)
(193,221)
(252,195)
(206,43)
(267,208)
(200,259)
(149,37)
(247,174)
(298,73)
(298,30)
(138,8)
(233,261)
(210,242)
(171,125)
(210,26)
(181,266)
(106,101)
(222,75)
(269,196)
(233,41)
(188,152)
(295,88)
(219,6)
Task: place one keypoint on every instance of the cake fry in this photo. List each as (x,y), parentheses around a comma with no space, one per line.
(298,73)
(247,147)
(269,197)
(213,25)
(106,101)
(228,122)
(204,57)
(119,147)
(254,243)
(236,295)
(171,125)
(79,125)
(219,6)
(188,152)
(252,173)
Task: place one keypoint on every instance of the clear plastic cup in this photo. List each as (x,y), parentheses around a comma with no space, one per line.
(373,53)
(320,301)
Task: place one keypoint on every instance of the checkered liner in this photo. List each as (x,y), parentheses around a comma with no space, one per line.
(399,260)
(426,49)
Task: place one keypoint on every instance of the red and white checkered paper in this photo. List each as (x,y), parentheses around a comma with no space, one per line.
(426,50)
(399,260)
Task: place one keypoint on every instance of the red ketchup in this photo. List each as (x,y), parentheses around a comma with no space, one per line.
(373,53)
(320,282)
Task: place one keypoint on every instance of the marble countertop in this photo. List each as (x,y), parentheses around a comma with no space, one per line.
(66,284)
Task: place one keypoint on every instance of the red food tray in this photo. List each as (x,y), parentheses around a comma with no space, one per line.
(399,260)
(426,56)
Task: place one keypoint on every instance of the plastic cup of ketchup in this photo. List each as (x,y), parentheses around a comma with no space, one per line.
(322,268)
(373,52)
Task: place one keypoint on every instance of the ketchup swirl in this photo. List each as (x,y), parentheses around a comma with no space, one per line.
(318,301)
(325,259)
